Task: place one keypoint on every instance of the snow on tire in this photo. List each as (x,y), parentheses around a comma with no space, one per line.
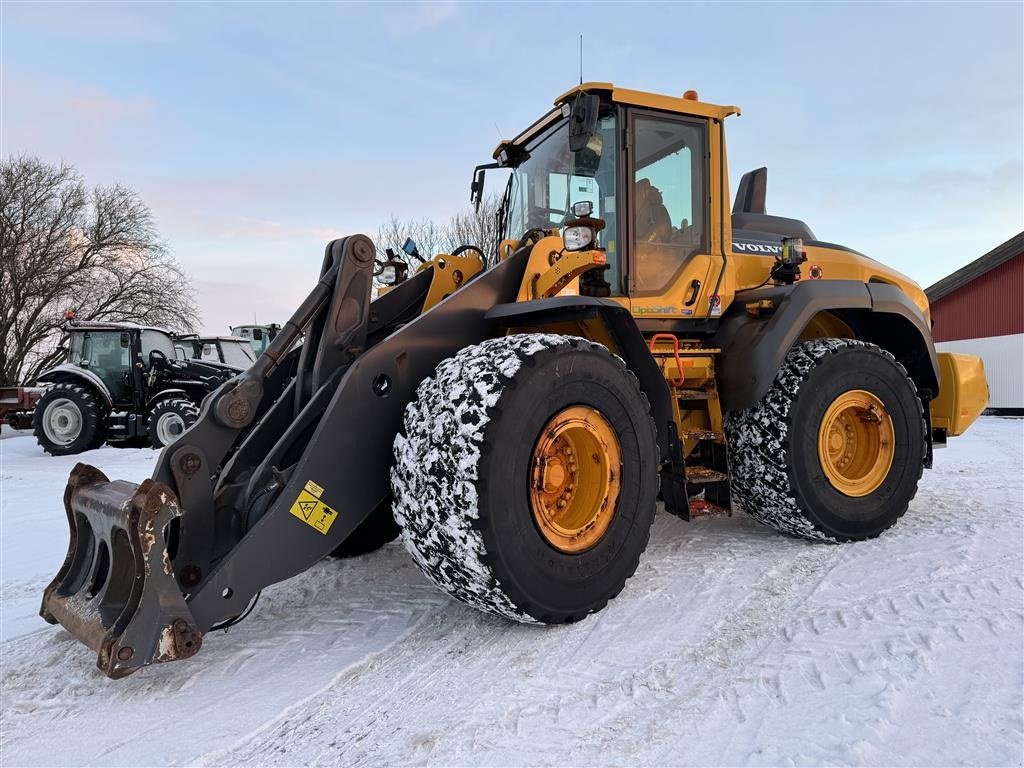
(776,473)
(461,479)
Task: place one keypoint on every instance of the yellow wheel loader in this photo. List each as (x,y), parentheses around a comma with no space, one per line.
(515,410)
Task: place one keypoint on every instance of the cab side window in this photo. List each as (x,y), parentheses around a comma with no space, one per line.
(669,198)
(154,340)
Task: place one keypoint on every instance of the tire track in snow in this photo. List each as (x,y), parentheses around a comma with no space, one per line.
(737,637)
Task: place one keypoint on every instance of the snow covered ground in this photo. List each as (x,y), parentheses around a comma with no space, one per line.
(730,645)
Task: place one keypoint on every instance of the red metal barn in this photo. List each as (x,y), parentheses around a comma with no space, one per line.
(979,310)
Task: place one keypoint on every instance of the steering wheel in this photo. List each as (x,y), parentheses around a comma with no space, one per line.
(537,214)
(532,235)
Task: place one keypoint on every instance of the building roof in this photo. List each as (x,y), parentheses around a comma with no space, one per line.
(998,255)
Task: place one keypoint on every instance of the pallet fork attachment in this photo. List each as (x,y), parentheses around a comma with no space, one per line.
(283,464)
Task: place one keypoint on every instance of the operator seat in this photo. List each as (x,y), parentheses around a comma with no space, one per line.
(653,224)
(657,258)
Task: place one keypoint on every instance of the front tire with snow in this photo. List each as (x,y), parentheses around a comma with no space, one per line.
(69,419)
(835,449)
(169,419)
(494,504)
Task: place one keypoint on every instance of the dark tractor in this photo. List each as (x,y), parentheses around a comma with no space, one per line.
(121,384)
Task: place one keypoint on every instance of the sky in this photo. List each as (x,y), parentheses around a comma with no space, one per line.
(257,132)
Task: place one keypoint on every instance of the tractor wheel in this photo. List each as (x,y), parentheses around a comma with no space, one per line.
(69,419)
(373,533)
(169,419)
(835,449)
(526,477)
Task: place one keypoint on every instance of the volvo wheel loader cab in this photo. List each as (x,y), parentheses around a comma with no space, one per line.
(633,336)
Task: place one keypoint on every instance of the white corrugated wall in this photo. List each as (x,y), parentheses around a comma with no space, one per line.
(1004,365)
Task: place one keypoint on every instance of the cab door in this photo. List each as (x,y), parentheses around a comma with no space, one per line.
(667,185)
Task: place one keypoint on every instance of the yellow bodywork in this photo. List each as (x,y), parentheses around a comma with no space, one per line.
(704,285)
(722,270)
(449,274)
(963,392)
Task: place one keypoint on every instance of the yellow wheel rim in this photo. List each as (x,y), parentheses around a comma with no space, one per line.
(855,443)
(576,473)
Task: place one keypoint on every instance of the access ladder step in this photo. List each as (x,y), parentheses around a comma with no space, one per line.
(704,434)
(693,394)
(696,474)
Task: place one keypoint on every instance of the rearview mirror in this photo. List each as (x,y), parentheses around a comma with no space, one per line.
(125,340)
(583,121)
(476,188)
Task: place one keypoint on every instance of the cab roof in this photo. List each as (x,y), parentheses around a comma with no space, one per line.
(677,104)
(99,325)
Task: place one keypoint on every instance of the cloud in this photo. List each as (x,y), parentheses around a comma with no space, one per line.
(94,128)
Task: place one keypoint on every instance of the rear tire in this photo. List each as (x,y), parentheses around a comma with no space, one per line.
(169,419)
(465,477)
(69,419)
(779,466)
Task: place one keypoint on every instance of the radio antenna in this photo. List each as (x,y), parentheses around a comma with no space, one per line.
(581,59)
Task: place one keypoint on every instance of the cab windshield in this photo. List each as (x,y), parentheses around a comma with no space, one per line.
(238,354)
(543,188)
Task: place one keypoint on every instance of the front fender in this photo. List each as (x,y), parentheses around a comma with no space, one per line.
(624,335)
(167,394)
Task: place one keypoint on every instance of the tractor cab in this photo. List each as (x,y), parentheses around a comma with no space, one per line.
(259,336)
(113,352)
(234,351)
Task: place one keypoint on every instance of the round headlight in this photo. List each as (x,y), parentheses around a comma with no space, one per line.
(578,238)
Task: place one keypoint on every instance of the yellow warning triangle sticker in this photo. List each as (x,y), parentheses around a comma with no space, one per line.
(307,508)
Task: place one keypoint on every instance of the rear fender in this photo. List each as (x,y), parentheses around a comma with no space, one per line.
(76,375)
(754,345)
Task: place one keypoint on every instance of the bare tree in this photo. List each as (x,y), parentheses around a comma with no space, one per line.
(477,227)
(428,235)
(65,247)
